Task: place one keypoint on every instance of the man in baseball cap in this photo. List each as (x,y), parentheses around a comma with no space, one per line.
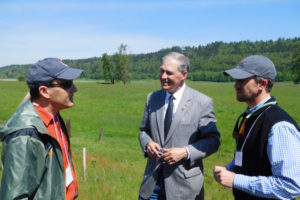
(37,157)
(256,65)
(49,69)
(266,163)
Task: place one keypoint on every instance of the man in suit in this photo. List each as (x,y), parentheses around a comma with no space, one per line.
(178,130)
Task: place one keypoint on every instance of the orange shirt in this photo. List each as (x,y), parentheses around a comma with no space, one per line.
(57,133)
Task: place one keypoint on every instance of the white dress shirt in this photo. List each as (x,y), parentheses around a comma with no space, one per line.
(177,95)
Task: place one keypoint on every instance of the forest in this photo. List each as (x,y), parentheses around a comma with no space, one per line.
(207,61)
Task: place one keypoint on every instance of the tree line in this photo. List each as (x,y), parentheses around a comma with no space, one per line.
(207,61)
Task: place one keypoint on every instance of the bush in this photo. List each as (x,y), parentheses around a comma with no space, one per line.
(21,78)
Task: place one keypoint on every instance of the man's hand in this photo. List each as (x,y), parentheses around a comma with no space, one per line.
(174,155)
(153,149)
(223,176)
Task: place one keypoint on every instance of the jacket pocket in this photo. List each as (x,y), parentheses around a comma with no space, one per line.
(195,171)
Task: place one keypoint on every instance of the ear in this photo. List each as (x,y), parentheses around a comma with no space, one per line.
(44,92)
(264,82)
(184,74)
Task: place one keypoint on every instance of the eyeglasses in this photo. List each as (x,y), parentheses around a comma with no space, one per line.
(63,84)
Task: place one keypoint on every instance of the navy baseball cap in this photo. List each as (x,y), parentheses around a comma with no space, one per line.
(256,65)
(48,69)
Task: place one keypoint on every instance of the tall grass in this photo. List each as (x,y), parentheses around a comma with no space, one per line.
(116,164)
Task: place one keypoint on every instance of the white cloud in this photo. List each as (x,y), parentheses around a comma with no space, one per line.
(72,45)
(31,30)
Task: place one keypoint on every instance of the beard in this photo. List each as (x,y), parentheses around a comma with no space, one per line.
(249,98)
(241,98)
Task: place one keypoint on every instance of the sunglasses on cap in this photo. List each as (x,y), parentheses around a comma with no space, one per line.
(66,84)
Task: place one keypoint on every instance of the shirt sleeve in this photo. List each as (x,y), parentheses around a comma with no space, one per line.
(283,150)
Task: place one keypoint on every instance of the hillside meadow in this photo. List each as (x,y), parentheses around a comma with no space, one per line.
(115,165)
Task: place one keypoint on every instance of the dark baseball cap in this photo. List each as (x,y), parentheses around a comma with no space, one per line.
(48,69)
(256,65)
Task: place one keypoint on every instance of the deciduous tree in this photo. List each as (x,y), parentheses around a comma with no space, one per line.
(120,61)
(107,68)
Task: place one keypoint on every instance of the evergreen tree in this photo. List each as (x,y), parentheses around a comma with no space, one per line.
(207,62)
(296,66)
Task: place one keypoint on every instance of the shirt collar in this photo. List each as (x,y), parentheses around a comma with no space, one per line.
(44,114)
(259,104)
(178,94)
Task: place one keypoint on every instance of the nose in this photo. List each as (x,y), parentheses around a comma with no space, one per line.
(238,84)
(235,85)
(74,88)
(163,75)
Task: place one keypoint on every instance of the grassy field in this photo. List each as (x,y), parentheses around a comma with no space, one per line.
(116,164)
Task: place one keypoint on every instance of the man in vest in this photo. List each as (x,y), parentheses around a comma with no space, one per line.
(266,164)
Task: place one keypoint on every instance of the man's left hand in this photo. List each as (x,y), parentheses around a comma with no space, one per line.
(174,155)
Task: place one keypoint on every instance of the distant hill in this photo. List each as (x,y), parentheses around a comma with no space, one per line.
(207,62)
(13,71)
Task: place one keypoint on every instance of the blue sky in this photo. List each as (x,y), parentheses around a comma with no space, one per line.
(72,29)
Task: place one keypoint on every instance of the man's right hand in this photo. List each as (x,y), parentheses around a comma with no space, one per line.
(223,176)
(152,149)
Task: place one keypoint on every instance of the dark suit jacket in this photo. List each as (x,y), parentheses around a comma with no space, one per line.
(194,127)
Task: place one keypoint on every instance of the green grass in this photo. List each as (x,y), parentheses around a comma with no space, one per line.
(116,164)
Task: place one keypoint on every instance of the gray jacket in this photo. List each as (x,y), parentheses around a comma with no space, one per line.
(194,127)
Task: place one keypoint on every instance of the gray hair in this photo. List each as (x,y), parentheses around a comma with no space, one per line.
(183,61)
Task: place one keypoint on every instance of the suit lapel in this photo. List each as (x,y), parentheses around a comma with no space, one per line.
(183,106)
(160,116)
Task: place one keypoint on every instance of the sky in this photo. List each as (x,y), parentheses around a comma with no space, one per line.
(31,30)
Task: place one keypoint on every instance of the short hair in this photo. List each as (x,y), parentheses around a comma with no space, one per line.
(270,83)
(34,92)
(34,89)
(183,61)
